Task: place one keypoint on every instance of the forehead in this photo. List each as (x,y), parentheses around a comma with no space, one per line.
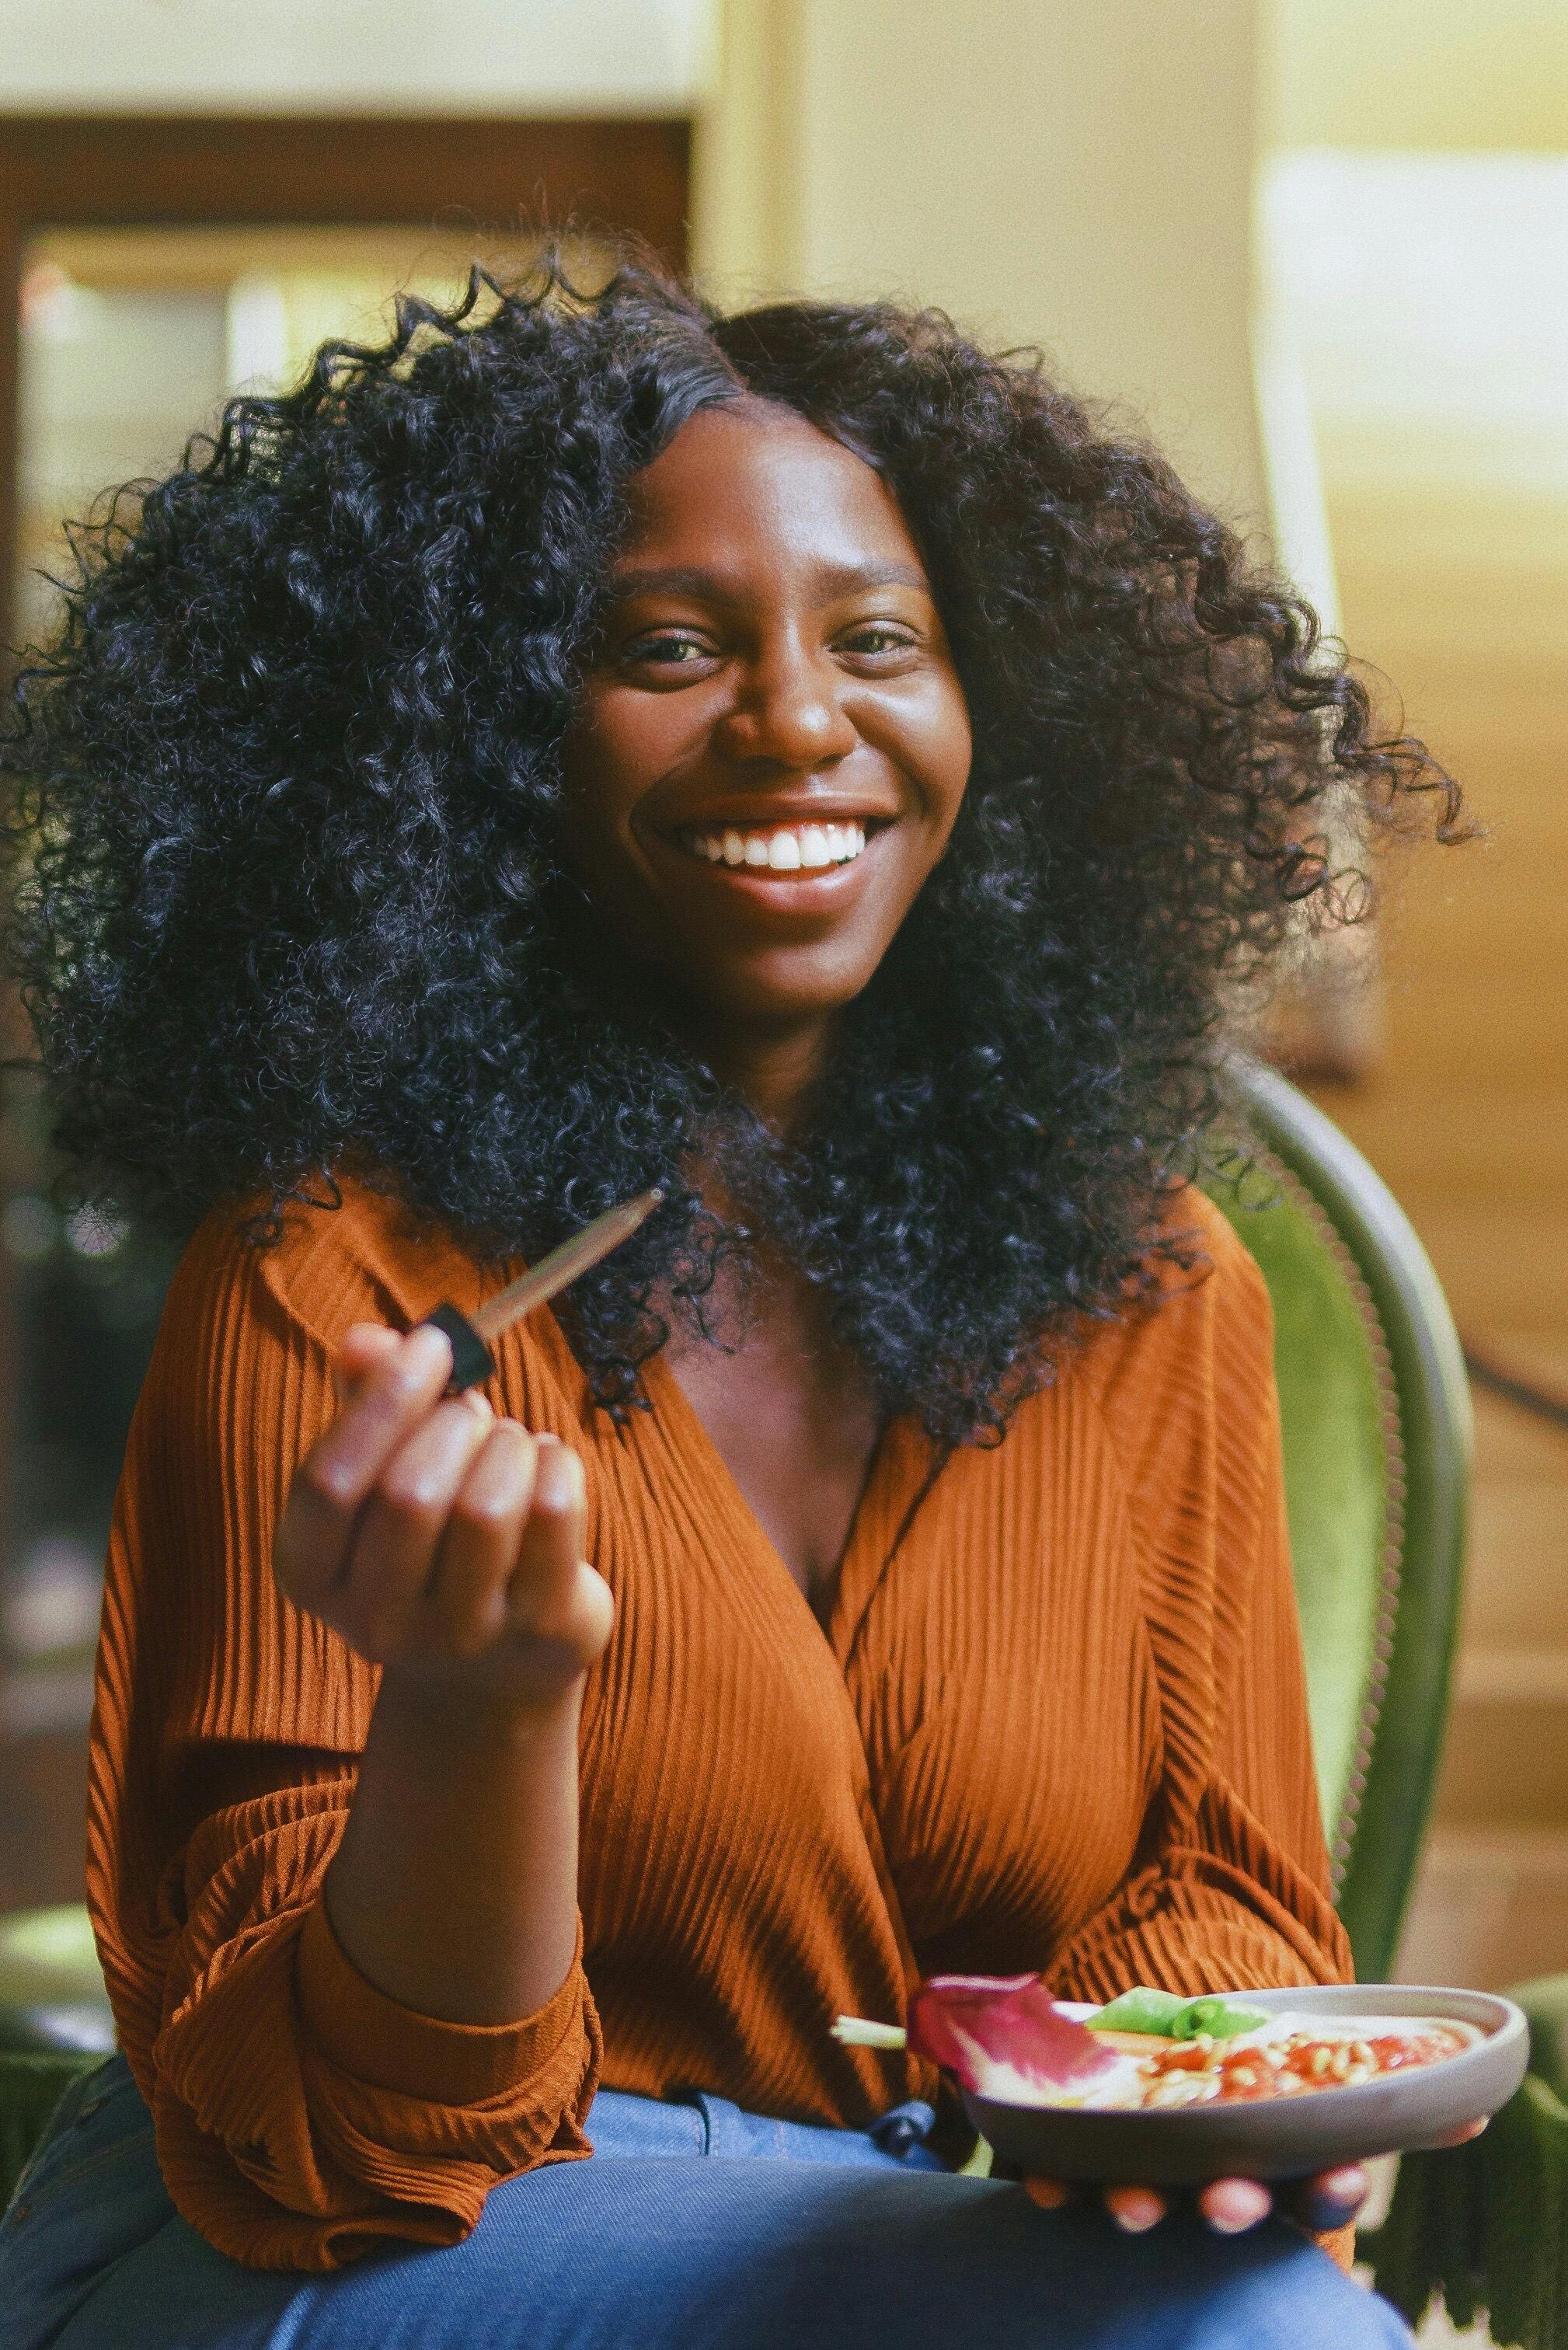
(750,482)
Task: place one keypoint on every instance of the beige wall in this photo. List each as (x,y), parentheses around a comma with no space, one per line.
(1077,176)
(367,57)
(1417,73)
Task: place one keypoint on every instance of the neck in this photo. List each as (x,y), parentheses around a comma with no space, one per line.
(775,1069)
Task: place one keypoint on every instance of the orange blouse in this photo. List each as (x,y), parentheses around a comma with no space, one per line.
(1057,1721)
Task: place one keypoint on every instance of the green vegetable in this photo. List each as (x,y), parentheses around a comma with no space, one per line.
(1165,2016)
(1139,2011)
(1214,2018)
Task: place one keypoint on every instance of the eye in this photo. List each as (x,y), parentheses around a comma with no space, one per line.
(877,639)
(668,648)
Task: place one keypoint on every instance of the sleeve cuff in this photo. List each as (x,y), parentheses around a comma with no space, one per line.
(378,2041)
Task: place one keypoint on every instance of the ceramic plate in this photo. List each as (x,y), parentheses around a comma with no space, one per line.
(1280,2138)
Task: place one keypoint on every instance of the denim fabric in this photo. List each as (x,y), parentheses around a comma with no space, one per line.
(694,2226)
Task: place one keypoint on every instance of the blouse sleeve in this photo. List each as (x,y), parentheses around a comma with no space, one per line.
(1232,1887)
(301,2115)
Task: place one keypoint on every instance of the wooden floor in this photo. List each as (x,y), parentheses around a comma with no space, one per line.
(1459,593)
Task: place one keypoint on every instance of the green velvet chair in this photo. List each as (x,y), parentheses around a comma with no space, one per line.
(1375,1408)
(1377,1436)
(1484,2228)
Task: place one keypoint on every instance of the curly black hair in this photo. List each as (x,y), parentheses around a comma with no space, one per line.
(287,895)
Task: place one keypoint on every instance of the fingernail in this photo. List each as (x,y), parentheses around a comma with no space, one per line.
(1335,2206)
(1241,2208)
(559,1476)
(425,1351)
(1049,2193)
(1136,2211)
(478,1403)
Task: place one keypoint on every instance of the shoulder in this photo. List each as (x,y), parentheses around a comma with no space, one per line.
(1205,1289)
(1191,1362)
(1182,1388)
(360,1257)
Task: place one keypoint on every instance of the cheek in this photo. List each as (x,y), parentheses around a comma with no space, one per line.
(620,746)
(935,746)
(601,775)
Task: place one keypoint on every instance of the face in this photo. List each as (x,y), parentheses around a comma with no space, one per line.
(772,745)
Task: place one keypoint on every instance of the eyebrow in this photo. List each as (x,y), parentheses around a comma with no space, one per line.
(707,587)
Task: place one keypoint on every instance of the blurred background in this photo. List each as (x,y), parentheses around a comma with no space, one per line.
(1320,245)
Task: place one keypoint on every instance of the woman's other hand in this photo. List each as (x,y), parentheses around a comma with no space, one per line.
(1329,2201)
(440,1542)
(1230,2206)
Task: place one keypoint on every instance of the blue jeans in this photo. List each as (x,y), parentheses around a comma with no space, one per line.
(694,2227)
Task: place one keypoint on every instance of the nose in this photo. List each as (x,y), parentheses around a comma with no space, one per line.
(788,712)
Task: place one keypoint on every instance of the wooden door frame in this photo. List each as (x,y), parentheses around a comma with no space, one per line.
(97,171)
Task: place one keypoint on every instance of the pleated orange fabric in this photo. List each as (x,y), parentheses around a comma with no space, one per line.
(1057,1721)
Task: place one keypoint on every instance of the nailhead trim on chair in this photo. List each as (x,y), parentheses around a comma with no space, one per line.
(1385,1619)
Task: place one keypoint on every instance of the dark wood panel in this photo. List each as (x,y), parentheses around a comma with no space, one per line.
(80,171)
(70,171)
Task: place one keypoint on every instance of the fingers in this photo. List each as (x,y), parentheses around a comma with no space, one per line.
(1331,2200)
(426,1533)
(391,1398)
(365,1347)
(1230,2206)
(479,1549)
(551,1542)
(403,1526)
(1234,2205)
(1136,2210)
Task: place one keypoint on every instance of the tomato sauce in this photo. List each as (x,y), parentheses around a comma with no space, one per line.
(1193,2072)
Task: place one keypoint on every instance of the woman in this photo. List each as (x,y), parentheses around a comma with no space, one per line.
(801,761)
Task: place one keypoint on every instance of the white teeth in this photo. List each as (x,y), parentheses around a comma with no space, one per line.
(785,848)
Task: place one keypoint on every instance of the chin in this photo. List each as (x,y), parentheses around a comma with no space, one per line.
(779,1000)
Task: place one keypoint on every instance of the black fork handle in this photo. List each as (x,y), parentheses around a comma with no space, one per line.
(471,1360)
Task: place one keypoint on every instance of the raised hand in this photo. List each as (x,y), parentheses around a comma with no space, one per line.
(442,1543)
(446,1546)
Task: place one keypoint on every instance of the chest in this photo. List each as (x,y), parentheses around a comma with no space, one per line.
(792,1420)
(971,1727)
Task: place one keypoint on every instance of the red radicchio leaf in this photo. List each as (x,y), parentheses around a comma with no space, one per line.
(1000,2036)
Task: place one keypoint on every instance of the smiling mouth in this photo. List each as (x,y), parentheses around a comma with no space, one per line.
(776,848)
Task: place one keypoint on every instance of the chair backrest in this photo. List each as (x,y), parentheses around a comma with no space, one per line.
(1376,1424)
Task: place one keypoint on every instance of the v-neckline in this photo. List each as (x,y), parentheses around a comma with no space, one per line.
(874,1524)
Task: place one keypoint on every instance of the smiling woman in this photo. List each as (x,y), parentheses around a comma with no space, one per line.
(795,760)
(772,745)
(338,659)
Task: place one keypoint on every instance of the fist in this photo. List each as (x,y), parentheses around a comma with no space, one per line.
(440,1542)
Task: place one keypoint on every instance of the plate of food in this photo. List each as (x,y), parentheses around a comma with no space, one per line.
(1158,2090)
